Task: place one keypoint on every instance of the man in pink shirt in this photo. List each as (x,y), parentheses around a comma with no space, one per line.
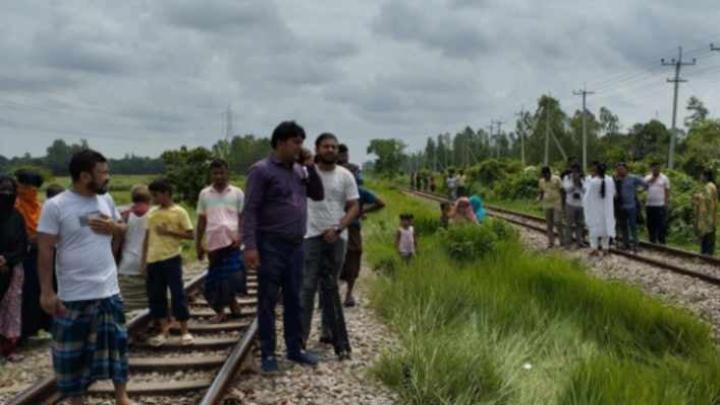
(219,209)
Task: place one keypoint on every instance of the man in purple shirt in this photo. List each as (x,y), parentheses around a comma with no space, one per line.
(273,233)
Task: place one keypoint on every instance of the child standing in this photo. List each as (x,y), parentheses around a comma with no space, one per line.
(168,225)
(445,210)
(405,239)
(130,277)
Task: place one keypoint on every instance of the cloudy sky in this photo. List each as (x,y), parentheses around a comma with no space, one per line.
(142,76)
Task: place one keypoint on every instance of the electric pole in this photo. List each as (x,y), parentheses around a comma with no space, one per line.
(521,132)
(584,93)
(678,64)
(546,160)
(491,140)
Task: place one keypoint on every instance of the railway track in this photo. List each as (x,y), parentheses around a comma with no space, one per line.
(174,373)
(704,268)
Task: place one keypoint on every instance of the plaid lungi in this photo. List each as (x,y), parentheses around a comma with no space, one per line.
(90,343)
(225,279)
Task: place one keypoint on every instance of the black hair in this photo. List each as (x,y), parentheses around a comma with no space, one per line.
(286,130)
(29,178)
(324,136)
(53,190)
(600,168)
(621,164)
(444,205)
(219,164)
(545,171)
(709,175)
(406,215)
(84,161)
(161,185)
(342,148)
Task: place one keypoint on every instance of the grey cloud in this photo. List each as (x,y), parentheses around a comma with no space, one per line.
(453,36)
(217,16)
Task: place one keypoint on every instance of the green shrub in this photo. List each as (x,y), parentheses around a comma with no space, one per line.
(468,242)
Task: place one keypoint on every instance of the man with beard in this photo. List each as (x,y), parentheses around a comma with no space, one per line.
(326,241)
(89,333)
(275,218)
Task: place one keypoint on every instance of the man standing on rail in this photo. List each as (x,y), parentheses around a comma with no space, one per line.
(628,185)
(219,209)
(705,203)
(574,187)
(89,332)
(326,242)
(550,197)
(275,220)
(658,199)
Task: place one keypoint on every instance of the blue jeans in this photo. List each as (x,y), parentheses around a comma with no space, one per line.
(323,263)
(281,268)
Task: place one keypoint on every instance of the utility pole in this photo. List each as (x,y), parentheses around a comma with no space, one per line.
(678,64)
(497,138)
(491,140)
(546,160)
(584,93)
(521,132)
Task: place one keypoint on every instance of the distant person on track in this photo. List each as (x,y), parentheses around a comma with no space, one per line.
(405,238)
(628,203)
(89,333)
(598,209)
(550,197)
(451,182)
(574,186)
(431,181)
(326,242)
(275,222)
(131,275)
(167,226)
(13,249)
(220,215)
(656,207)
(706,205)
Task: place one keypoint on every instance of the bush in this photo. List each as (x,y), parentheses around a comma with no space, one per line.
(468,242)
(523,185)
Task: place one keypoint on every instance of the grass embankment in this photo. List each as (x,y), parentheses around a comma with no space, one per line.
(483,320)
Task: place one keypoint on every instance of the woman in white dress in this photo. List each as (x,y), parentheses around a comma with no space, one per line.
(598,209)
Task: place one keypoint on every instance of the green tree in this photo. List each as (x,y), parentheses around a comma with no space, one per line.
(58,155)
(650,140)
(550,115)
(187,170)
(609,122)
(702,147)
(698,112)
(390,156)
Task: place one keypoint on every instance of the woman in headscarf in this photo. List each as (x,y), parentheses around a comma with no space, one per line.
(478,207)
(13,248)
(28,205)
(462,212)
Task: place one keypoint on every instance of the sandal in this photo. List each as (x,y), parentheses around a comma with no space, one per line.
(157,340)
(187,339)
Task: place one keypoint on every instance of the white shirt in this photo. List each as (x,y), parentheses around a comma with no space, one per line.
(133,246)
(656,190)
(85,264)
(339,187)
(573,193)
(222,210)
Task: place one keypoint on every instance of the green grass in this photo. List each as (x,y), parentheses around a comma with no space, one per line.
(519,327)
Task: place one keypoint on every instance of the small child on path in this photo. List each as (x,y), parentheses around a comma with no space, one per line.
(405,239)
(168,225)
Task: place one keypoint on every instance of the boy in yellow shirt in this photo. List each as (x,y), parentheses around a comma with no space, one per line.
(168,224)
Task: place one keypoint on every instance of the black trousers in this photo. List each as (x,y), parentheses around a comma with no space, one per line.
(657,224)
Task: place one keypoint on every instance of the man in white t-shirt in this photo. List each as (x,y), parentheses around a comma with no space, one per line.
(658,197)
(89,333)
(326,241)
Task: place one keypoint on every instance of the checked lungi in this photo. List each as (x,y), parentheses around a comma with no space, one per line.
(90,343)
(225,278)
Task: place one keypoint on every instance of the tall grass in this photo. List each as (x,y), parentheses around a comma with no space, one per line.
(513,326)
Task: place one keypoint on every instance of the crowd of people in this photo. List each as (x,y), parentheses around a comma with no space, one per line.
(610,208)
(84,263)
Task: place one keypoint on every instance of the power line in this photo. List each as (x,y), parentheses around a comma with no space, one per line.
(677,64)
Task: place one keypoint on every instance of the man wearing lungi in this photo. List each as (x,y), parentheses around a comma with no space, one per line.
(275,220)
(219,209)
(89,333)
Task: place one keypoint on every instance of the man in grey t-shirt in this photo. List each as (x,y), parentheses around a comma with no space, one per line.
(89,333)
